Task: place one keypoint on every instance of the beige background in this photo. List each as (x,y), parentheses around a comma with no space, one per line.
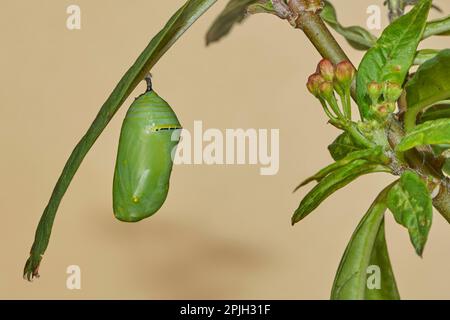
(224,231)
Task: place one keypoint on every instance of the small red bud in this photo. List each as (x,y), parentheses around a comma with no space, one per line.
(326,90)
(397,68)
(392,91)
(314,82)
(374,90)
(345,73)
(326,69)
(383,109)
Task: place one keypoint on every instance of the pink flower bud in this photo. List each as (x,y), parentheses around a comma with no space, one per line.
(345,73)
(381,111)
(314,82)
(392,91)
(326,90)
(374,89)
(326,69)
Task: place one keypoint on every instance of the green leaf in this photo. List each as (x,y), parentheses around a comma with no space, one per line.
(411,204)
(392,55)
(374,155)
(262,6)
(358,37)
(173,30)
(439,149)
(342,146)
(438,111)
(367,247)
(446,167)
(235,12)
(439,27)
(424,55)
(430,132)
(333,182)
(380,258)
(429,85)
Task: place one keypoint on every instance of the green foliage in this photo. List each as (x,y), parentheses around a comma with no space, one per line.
(374,155)
(393,54)
(171,32)
(234,12)
(442,151)
(367,247)
(446,167)
(424,55)
(429,85)
(358,37)
(438,111)
(439,27)
(411,204)
(333,182)
(439,149)
(342,146)
(430,132)
(261,6)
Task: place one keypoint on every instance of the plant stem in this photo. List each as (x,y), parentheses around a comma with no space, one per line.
(347,104)
(396,9)
(316,31)
(335,107)
(358,136)
(327,112)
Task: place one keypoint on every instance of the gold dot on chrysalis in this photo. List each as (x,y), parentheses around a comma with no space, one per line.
(135,199)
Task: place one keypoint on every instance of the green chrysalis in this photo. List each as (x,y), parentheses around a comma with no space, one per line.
(149,135)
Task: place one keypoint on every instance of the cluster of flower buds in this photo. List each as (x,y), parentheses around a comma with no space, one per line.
(330,78)
(383,97)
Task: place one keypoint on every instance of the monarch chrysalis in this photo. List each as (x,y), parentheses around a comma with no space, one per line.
(144,158)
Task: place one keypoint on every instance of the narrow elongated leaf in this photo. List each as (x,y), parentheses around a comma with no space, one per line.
(367,248)
(439,27)
(430,132)
(333,182)
(393,54)
(429,85)
(424,55)
(342,146)
(438,111)
(380,259)
(374,155)
(235,12)
(411,204)
(358,37)
(173,30)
